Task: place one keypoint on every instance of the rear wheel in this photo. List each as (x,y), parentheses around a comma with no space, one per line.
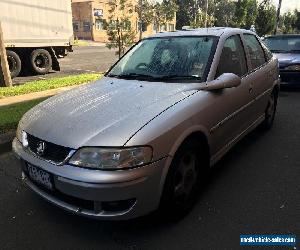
(14,63)
(188,168)
(41,61)
(270,111)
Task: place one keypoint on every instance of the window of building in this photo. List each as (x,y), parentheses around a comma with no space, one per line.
(98,12)
(127,25)
(144,26)
(112,24)
(257,55)
(233,58)
(76,26)
(86,26)
(163,27)
(100,24)
(171,27)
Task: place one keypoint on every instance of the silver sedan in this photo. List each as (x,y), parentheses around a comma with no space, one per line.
(144,136)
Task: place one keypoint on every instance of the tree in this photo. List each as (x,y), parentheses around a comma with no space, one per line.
(297,23)
(266,18)
(251,13)
(289,21)
(164,12)
(187,12)
(224,13)
(119,29)
(245,13)
(202,19)
(145,15)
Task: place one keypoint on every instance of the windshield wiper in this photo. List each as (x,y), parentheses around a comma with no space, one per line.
(157,78)
(132,76)
(179,77)
(278,51)
(295,50)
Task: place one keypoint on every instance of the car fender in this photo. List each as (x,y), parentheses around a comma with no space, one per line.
(184,135)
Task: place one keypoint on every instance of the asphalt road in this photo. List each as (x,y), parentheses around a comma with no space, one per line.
(84,59)
(253,190)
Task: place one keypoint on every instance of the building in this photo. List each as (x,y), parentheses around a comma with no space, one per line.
(90,18)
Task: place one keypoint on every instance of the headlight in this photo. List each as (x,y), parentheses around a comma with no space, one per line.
(293,67)
(22,137)
(19,133)
(111,158)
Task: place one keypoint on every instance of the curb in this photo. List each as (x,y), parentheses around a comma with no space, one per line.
(10,100)
(6,141)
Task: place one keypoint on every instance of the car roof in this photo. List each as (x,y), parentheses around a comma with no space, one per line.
(215,31)
(283,35)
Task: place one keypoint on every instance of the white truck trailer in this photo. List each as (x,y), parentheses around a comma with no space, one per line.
(35,33)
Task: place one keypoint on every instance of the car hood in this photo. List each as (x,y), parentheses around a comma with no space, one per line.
(287,58)
(105,113)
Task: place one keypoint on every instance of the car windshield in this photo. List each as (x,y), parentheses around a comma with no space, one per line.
(184,59)
(281,44)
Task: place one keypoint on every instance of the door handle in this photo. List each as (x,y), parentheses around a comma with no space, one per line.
(250,88)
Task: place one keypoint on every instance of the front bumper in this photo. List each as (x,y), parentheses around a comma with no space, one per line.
(89,192)
(289,77)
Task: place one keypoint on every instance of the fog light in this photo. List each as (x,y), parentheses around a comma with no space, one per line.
(117,206)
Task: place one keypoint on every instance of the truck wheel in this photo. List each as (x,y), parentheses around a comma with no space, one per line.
(41,61)
(14,63)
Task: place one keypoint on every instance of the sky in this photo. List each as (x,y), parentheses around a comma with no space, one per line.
(288,5)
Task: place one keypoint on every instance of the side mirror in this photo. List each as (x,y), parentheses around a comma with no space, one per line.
(226,80)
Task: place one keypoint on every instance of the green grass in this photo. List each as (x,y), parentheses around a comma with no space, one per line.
(80,43)
(53,83)
(11,115)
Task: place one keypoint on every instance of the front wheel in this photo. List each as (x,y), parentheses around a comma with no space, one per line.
(188,168)
(270,111)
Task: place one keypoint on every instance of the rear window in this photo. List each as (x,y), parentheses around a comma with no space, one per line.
(281,44)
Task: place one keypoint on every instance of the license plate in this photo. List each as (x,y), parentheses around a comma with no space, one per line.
(40,176)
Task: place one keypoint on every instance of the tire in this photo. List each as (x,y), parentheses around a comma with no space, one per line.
(14,63)
(188,168)
(41,61)
(270,111)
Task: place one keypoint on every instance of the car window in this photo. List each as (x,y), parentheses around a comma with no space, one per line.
(233,58)
(256,53)
(268,53)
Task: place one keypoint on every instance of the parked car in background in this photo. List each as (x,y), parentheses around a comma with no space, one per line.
(144,136)
(36,33)
(287,49)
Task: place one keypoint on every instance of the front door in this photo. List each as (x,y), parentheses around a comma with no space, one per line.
(231,104)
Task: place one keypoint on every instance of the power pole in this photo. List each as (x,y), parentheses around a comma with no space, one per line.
(206,13)
(140,3)
(5,78)
(277,17)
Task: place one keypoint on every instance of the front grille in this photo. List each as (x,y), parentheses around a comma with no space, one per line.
(52,152)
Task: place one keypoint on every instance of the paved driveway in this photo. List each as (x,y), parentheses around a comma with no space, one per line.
(85,59)
(254,189)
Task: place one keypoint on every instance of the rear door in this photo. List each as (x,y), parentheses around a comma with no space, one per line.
(261,75)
